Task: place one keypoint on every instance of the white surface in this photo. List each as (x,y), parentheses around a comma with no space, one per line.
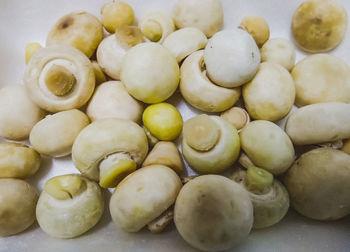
(27,21)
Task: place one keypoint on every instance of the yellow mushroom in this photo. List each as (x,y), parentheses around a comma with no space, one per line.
(116,15)
(257,27)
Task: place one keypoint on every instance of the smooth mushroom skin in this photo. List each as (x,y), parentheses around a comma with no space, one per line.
(319,26)
(257,27)
(205,151)
(237,117)
(105,137)
(150,72)
(59,77)
(55,134)
(115,15)
(81,30)
(18,160)
(143,196)
(319,123)
(17,208)
(156,26)
(18,114)
(112,100)
(321,78)
(270,94)
(231,58)
(69,206)
(185,41)
(199,91)
(318,184)
(267,146)
(206,15)
(280,51)
(213,213)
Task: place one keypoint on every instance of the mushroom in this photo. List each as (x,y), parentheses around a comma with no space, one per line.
(59,77)
(143,196)
(319,26)
(270,94)
(69,206)
(267,146)
(31,49)
(318,184)
(150,72)
(152,140)
(269,197)
(209,144)
(280,51)
(231,58)
(18,160)
(81,30)
(112,100)
(156,26)
(206,15)
(346,146)
(237,117)
(321,78)
(115,15)
(185,41)
(99,75)
(201,92)
(54,135)
(17,208)
(18,113)
(213,213)
(319,123)
(165,153)
(257,27)
(107,150)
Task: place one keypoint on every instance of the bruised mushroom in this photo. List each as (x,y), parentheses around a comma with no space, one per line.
(69,206)
(108,150)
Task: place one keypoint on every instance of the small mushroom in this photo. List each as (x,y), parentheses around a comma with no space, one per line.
(111,100)
(346,146)
(165,153)
(18,114)
(199,91)
(81,30)
(108,150)
(115,15)
(54,135)
(17,208)
(156,26)
(18,160)
(206,15)
(59,77)
(143,196)
(31,49)
(209,144)
(69,206)
(237,117)
(231,58)
(150,72)
(213,213)
(257,27)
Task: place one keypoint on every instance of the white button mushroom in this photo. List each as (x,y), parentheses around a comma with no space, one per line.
(111,100)
(201,92)
(237,117)
(69,206)
(231,58)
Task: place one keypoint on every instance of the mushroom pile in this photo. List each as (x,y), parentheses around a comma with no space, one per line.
(108,93)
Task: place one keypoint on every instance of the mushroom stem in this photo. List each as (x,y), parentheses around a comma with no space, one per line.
(65,187)
(245,161)
(59,80)
(152,30)
(258,180)
(114,168)
(161,222)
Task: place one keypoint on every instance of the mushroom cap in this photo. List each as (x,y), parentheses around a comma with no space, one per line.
(143,196)
(270,94)
(68,218)
(115,15)
(104,137)
(231,58)
(321,78)
(55,134)
(18,161)
(112,100)
(257,27)
(206,15)
(267,146)
(18,113)
(213,213)
(81,30)
(201,92)
(237,117)
(71,59)
(318,184)
(150,72)
(17,208)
